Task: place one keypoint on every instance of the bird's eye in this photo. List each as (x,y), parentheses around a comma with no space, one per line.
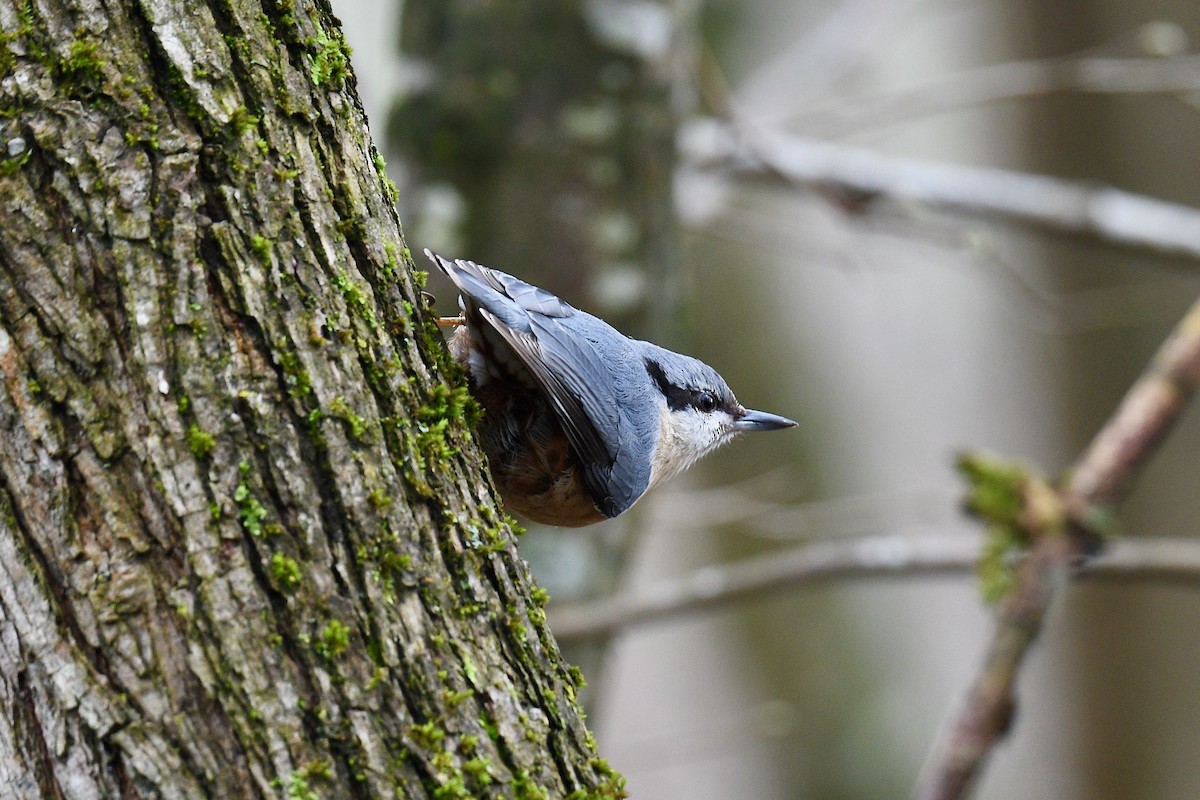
(706,402)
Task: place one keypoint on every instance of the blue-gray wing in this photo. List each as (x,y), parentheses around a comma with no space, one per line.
(509,299)
(549,337)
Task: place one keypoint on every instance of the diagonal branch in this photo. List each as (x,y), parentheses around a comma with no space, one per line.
(1099,479)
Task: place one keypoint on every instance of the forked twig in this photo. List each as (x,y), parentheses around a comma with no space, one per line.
(1099,479)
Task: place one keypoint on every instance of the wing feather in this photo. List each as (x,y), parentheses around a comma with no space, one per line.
(566,364)
(579,387)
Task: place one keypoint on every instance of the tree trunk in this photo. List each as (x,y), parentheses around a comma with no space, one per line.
(247,547)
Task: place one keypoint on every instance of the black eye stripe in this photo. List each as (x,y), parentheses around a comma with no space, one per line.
(678,397)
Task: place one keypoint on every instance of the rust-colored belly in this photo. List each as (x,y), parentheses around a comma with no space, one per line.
(531,459)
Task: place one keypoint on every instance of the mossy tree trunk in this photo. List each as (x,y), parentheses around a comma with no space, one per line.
(247,548)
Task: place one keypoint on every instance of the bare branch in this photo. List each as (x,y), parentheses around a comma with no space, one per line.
(874,557)
(1099,479)
(1017,79)
(1058,204)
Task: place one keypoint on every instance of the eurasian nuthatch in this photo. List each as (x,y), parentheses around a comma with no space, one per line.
(580,420)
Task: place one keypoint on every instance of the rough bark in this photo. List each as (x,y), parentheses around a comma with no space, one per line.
(246,544)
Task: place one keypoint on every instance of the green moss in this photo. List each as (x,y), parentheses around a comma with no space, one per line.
(261,246)
(269,26)
(994,487)
(183,609)
(298,788)
(354,228)
(298,380)
(524,788)
(490,728)
(492,540)
(446,410)
(453,787)
(434,343)
(250,511)
(357,425)
(611,788)
(517,528)
(242,120)
(33,46)
(465,610)
(389,566)
(330,57)
(82,67)
(8,56)
(996,568)
(335,638)
(389,187)
(315,431)
(391,262)
(378,499)
(11,166)
(478,768)
(550,701)
(286,572)
(183,98)
(287,11)
(470,671)
(533,734)
(519,631)
(614,784)
(449,781)
(200,442)
(357,298)
(379,676)
(427,735)
(1002,494)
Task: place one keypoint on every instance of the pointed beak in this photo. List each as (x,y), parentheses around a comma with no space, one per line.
(761,421)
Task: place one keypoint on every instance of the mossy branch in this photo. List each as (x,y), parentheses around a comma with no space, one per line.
(1084,501)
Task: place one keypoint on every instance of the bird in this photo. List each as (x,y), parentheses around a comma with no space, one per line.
(579,420)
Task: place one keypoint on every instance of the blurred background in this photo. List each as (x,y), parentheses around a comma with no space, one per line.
(818,199)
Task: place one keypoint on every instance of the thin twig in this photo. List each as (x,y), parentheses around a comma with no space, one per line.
(1100,478)
(1053,203)
(840,43)
(873,557)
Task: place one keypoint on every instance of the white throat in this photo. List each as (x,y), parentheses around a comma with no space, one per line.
(684,437)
